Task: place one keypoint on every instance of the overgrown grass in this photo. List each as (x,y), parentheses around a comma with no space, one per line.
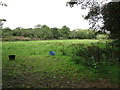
(34,67)
(100,56)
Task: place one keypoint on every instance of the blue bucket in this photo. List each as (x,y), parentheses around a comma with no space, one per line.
(52,53)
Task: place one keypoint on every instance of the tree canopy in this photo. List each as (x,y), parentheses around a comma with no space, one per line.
(111,15)
(107,13)
(44,33)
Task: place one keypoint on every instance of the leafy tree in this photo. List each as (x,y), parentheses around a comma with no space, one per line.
(17,33)
(55,32)
(111,17)
(6,32)
(86,34)
(106,13)
(7,28)
(18,28)
(81,34)
(44,27)
(73,34)
(46,32)
(38,26)
(64,32)
(94,15)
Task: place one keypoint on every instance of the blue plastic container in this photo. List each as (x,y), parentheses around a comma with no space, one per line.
(52,53)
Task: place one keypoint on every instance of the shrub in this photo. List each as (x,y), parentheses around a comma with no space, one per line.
(102,36)
(85,34)
(93,55)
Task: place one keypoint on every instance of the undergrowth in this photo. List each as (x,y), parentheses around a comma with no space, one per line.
(104,59)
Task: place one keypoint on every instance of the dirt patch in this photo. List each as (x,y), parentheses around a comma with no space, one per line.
(96,84)
(41,81)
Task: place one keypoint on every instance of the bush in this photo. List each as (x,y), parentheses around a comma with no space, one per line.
(85,34)
(102,36)
(94,54)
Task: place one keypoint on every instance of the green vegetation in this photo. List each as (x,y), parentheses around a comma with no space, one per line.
(76,64)
(43,32)
(102,36)
(69,68)
(101,12)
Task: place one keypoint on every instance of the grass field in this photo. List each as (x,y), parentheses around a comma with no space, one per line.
(35,68)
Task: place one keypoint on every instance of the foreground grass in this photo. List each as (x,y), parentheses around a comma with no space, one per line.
(34,67)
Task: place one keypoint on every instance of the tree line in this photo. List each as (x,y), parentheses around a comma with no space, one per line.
(43,32)
(107,13)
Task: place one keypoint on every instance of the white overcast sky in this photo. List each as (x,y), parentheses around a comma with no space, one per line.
(54,13)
